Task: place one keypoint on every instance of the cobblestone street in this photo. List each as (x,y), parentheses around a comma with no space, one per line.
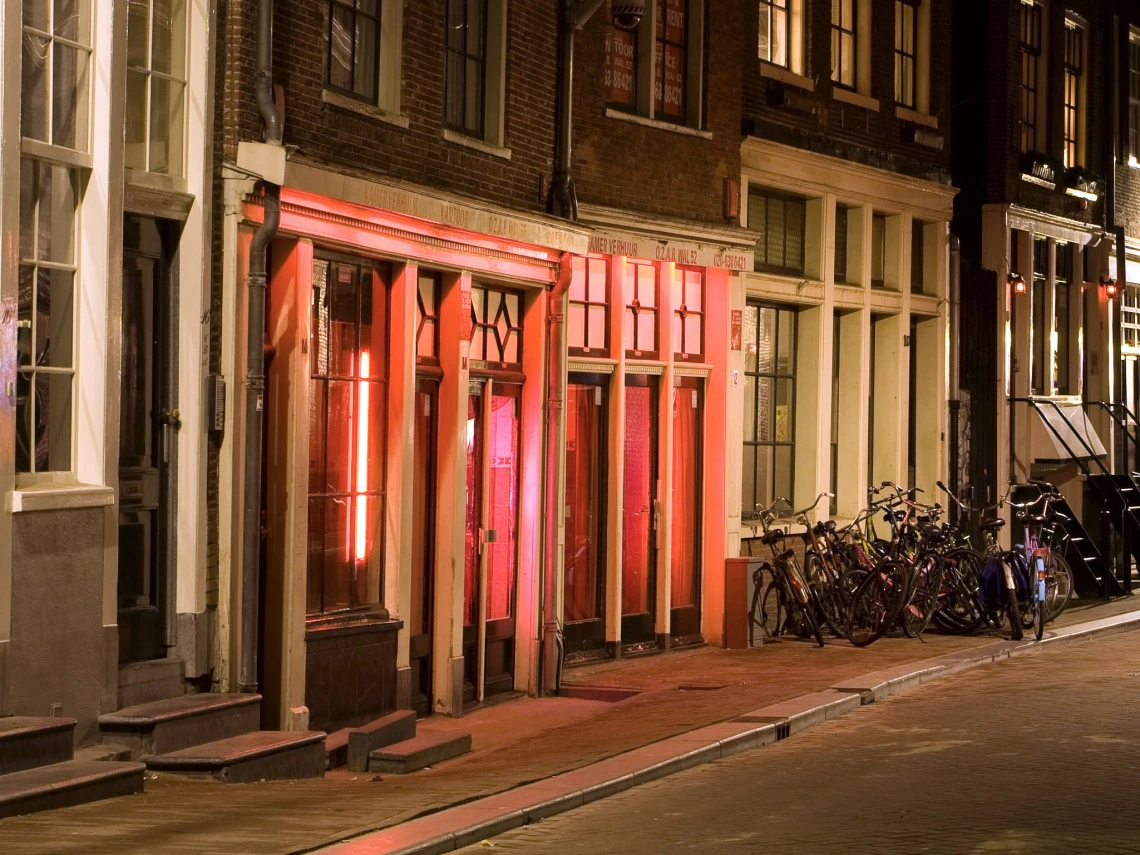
(1040,755)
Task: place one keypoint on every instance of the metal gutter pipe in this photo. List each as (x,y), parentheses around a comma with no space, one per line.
(255,361)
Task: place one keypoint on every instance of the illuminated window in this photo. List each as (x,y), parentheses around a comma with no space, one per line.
(427,318)
(1062,277)
(156,85)
(688,314)
(775,32)
(843,42)
(496,318)
(1038,333)
(465,81)
(906,41)
(1134,96)
(588,327)
(347,397)
(1030,42)
(639,289)
(1074,71)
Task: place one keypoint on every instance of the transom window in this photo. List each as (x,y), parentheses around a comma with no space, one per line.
(427,318)
(1074,69)
(1030,42)
(775,32)
(466,73)
(843,43)
(1134,96)
(354,47)
(769,405)
(689,314)
(906,40)
(621,67)
(588,327)
(45,317)
(347,405)
(639,289)
(496,318)
(156,85)
(672,44)
(780,222)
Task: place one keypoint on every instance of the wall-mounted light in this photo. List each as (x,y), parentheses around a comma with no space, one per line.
(1110,288)
(1017,281)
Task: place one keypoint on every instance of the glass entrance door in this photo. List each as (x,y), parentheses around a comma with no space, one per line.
(147,425)
(491,554)
(685,572)
(423,543)
(584,560)
(639,517)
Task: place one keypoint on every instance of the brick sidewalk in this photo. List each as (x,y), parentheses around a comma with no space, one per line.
(514,743)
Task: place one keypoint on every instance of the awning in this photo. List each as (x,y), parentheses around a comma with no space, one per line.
(1069,425)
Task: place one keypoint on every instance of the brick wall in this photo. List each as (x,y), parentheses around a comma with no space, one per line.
(816,121)
(1127,177)
(655,170)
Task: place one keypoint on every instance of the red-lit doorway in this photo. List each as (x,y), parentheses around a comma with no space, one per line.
(584,564)
(423,540)
(491,554)
(639,513)
(685,570)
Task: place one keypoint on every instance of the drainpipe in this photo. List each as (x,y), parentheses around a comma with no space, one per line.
(255,360)
(563,197)
(555,394)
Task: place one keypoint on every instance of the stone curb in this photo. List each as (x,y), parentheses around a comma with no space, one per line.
(457,827)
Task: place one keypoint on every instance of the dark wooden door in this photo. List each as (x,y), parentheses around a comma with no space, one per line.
(639,517)
(584,564)
(147,424)
(685,561)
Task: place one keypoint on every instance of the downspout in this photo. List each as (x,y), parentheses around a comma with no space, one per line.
(255,360)
(563,197)
(1113,142)
(555,395)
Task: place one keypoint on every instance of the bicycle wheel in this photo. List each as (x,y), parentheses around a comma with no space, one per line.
(809,626)
(756,609)
(772,607)
(923,599)
(870,610)
(1040,615)
(1058,585)
(824,592)
(1013,611)
(960,606)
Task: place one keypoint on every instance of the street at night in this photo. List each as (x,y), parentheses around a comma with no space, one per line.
(1038,755)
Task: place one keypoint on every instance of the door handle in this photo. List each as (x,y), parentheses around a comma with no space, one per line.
(170,418)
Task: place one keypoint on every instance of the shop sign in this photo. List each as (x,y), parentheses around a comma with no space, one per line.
(735,335)
(678,252)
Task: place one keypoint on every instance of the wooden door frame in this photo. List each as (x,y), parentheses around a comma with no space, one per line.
(692,631)
(631,633)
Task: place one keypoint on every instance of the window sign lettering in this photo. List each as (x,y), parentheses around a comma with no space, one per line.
(669,83)
(621,66)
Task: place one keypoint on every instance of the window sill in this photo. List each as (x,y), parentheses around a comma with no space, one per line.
(846,96)
(59,497)
(647,122)
(476,144)
(914,116)
(786,76)
(346,103)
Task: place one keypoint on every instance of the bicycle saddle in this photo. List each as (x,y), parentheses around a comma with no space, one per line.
(771,537)
(1035,519)
(993,525)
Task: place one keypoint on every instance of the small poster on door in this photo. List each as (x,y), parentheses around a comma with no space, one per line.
(734,336)
(466,322)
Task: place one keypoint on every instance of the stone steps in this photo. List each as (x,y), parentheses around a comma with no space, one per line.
(264,755)
(165,726)
(393,728)
(27,742)
(74,782)
(419,752)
